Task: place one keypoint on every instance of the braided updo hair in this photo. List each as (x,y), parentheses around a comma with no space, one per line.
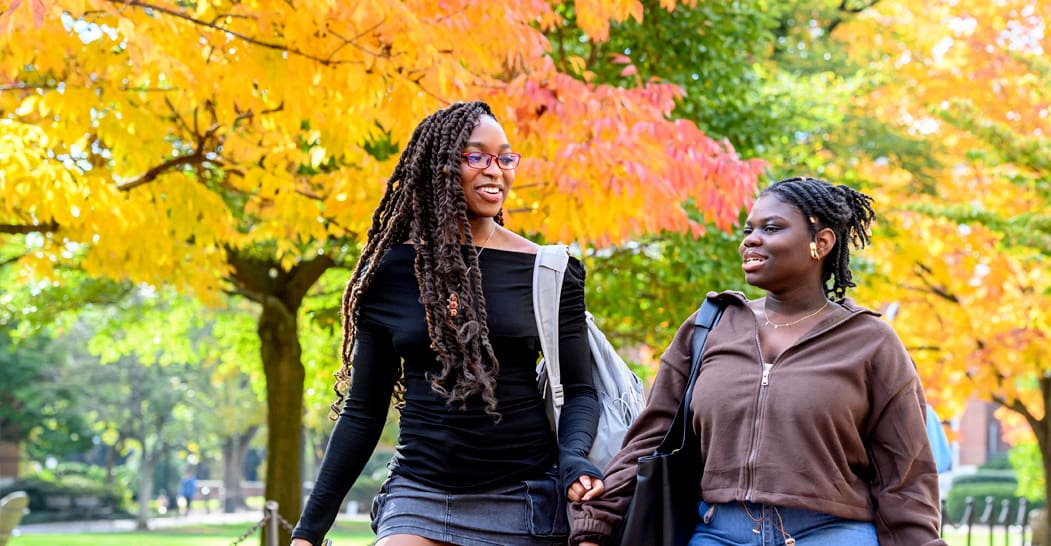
(844,210)
(425,205)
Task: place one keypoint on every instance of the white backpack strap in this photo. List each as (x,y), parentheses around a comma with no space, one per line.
(548,272)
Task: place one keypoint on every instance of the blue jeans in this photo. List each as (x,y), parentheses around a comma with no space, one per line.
(750,524)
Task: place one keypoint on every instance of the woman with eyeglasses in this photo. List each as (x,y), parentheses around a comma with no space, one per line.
(807,411)
(438,314)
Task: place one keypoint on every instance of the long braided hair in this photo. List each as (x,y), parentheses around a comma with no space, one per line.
(843,209)
(425,205)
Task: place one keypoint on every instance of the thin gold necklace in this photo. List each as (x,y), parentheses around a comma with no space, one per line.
(777,325)
(481,247)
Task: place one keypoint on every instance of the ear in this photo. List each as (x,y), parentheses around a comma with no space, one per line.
(826,241)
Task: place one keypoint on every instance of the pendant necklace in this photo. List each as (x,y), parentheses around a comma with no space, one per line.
(454,302)
(777,325)
(481,248)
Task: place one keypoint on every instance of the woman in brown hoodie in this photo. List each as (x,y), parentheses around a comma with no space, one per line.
(807,408)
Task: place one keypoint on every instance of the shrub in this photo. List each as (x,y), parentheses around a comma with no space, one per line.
(69,482)
(987,476)
(1029,467)
(979,491)
(363,492)
(998,461)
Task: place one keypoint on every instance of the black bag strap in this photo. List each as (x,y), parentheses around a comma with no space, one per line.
(679,431)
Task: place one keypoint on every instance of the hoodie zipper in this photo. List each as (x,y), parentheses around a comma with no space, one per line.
(760,407)
(753,448)
(764,381)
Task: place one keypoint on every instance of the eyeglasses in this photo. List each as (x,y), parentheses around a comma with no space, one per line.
(481,160)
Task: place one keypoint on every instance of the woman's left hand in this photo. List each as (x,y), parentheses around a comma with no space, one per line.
(585,489)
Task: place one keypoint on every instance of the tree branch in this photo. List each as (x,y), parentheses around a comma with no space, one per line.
(12,229)
(851,10)
(858,8)
(178,118)
(12,259)
(215,26)
(22,86)
(351,42)
(190,159)
(199,155)
(1018,408)
(27,87)
(247,294)
(304,276)
(923,273)
(262,279)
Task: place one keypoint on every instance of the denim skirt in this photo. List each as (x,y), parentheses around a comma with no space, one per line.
(750,524)
(527,513)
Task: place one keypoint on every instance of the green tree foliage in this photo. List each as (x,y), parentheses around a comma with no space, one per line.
(228,148)
(38,402)
(769,77)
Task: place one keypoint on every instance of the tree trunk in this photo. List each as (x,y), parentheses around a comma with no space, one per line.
(142,520)
(111,456)
(234,449)
(284,389)
(1041,528)
(1045,529)
(10,458)
(280,293)
(1042,428)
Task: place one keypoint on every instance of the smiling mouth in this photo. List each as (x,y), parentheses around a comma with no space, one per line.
(752,263)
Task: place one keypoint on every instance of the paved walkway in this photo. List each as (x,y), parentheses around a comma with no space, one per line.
(119,525)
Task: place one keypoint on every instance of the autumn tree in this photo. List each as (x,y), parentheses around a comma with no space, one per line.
(967,261)
(233,148)
(770,78)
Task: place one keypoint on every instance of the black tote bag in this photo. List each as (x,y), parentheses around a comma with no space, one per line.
(663,510)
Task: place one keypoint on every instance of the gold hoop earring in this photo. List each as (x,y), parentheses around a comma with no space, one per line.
(813,251)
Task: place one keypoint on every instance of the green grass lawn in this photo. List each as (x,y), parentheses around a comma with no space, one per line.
(958,537)
(343,534)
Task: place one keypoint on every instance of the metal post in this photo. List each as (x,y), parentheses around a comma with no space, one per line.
(1021,519)
(1005,507)
(968,517)
(271,523)
(987,517)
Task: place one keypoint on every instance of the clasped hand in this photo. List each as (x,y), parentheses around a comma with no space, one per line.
(585,489)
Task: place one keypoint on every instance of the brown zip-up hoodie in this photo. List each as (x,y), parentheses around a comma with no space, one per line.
(836,427)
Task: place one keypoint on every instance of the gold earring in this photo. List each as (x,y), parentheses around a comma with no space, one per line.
(813,251)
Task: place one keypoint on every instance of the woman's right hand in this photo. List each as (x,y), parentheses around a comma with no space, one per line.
(585,489)
(300,542)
